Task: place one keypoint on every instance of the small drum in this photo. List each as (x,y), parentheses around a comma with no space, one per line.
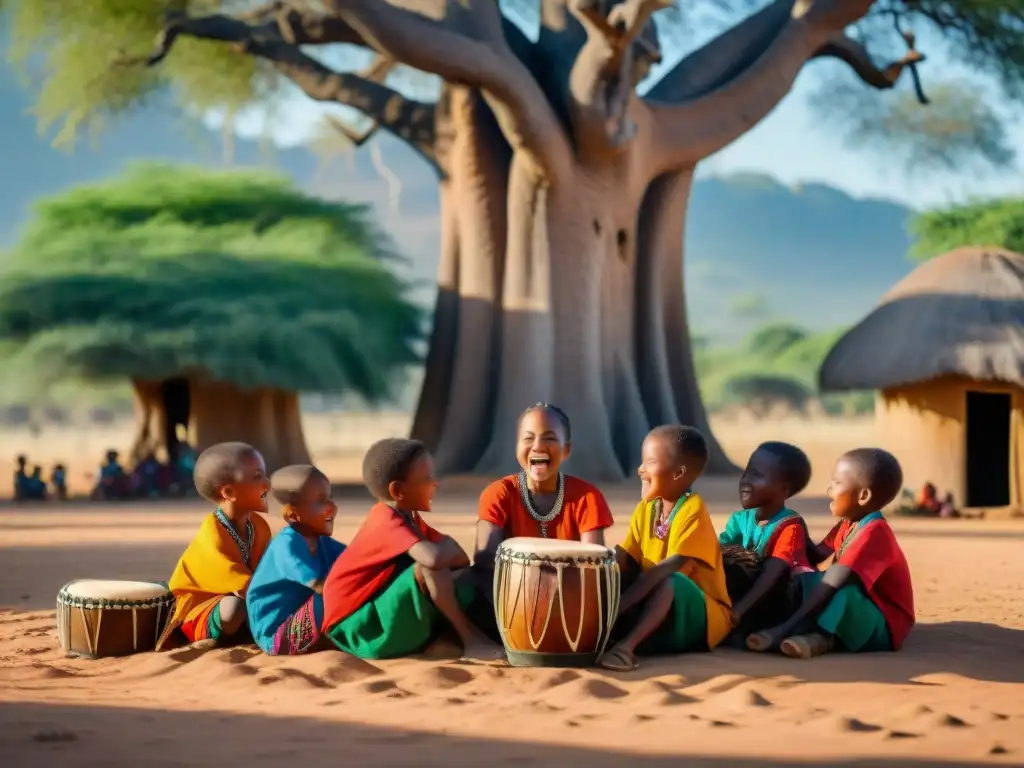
(554,601)
(111,618)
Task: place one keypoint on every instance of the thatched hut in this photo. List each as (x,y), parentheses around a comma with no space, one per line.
(219,295)
(945,350)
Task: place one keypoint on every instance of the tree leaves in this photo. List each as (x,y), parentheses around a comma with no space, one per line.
(994,223)
(233,275)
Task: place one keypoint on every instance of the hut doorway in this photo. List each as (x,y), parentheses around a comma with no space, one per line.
(177,402)
(988,449)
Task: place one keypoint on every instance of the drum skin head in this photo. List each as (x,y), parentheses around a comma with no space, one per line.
(554,548)
(99,589)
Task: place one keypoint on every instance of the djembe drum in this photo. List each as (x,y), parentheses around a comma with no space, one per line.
(554,601)
(96,619)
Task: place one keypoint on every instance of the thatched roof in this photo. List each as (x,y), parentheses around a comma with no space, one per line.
(958,314)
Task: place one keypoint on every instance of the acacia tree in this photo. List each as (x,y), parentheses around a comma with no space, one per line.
(218,295)
(563,191)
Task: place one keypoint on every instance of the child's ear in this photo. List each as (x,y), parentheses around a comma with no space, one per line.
(567,451)
(227,493)
(395,490)
(680,473)
(289,513)
(864,497)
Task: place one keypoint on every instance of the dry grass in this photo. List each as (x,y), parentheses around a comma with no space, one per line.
(338,442)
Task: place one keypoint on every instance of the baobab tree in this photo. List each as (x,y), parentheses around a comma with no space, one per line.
(563,191)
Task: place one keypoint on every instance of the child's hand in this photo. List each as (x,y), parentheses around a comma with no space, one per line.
(735,618)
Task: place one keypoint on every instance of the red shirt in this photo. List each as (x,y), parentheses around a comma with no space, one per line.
(369,562)
(789,544)
(583,509)
(875,556)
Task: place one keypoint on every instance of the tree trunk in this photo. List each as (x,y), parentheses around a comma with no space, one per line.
(150,421)
(461,371)
(594,319)
(267,419)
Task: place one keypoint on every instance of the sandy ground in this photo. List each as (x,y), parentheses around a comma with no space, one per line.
(337,443)
(953,695)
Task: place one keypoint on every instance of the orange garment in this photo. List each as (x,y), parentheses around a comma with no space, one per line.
(583,509)
(210,568)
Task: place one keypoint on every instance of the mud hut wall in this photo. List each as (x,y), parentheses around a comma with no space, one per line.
(924,425)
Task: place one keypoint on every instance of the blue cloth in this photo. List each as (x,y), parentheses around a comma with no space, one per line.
(281,583)
(742,529)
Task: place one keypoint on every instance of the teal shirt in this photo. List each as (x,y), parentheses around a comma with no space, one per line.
(743,530)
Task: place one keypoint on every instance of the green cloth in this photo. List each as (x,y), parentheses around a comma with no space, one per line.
(214,625)
(855,621)
(399,621)
(685,627)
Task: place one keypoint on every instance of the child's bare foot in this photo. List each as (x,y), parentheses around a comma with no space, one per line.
(203,645)
(618,659)
(807,646)
(763,641)
(483,650)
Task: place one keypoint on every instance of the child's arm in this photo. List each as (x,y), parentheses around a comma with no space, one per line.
(651,579)
(488,538)
(787,547)
(454,554)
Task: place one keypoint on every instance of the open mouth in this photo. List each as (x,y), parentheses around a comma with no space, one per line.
(540,464)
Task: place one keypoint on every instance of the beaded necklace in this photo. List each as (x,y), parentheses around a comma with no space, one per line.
(245,547)
(556,508)
(661,529)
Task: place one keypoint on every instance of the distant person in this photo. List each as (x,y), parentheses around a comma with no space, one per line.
(145,477)
(865,600)
(36,485)
(948,508)
(58,479)
(928,503)
(20,483)
(114,483)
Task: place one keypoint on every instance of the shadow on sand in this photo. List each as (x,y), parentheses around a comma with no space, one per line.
(35,734)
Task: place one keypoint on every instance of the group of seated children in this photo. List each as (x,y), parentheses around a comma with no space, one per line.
(149,478)
(400,583)
(31,486)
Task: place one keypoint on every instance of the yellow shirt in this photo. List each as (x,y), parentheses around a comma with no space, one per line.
(693,536)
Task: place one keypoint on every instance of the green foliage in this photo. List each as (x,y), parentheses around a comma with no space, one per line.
(236,275)
(775,339)
(993,222)
(957,132)
(762,391)
(87,59)
(776,363)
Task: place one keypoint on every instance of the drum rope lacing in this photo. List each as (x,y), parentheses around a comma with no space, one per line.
(556,508)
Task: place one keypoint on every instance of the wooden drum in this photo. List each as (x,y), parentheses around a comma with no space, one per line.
(555,601)
(96,619)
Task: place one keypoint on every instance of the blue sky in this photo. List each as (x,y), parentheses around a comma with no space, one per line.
(789,144)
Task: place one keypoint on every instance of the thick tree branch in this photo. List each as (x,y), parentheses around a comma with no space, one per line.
(465,44)
(855,55)
(605,73)
(409,120)
(690,131)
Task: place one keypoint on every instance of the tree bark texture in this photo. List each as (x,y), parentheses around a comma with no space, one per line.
(563,198)
(267,419)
